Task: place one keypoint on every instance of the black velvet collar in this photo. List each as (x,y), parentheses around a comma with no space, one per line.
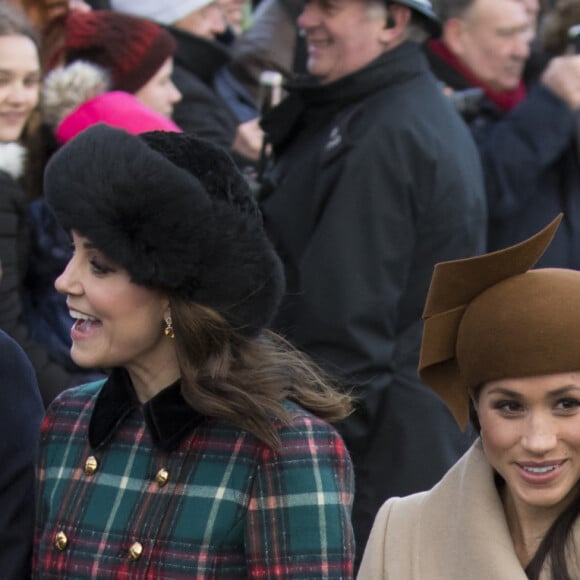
(168,416)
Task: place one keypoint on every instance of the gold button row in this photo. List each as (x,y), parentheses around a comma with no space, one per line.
(135,551)
(61,543)
(91,466)
(162,477)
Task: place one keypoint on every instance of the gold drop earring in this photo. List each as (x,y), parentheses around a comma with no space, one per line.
(169,327)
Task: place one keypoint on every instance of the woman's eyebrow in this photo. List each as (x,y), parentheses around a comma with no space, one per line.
(553,393)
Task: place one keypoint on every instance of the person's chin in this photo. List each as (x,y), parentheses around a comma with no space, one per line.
(10,134)
(86,356)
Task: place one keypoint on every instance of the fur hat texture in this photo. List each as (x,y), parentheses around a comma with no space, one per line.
(491,317)
(175,212)
(131,49)
(65,88)
(12,159)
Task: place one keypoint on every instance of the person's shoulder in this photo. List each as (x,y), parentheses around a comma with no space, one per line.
(392,543)
(306,433)
(301,436)
(64,412)
(405,509)
(20,388)
(11,352)
(76,397)
(301,419)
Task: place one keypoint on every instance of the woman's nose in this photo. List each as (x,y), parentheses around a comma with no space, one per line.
(540,435)
(67,282)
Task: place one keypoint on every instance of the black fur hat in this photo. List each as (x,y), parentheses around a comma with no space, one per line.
(176,213)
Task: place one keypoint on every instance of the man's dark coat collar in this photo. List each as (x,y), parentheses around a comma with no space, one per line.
(199,56)
(389,69)
(168,416)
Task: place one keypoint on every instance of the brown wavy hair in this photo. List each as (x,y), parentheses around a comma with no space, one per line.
(244,381)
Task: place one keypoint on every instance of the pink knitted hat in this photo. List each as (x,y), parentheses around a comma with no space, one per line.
(117,109)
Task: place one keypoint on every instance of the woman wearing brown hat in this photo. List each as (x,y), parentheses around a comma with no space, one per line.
(206,453)
(505,339)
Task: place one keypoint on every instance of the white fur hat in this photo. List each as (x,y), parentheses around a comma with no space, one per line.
(158,10)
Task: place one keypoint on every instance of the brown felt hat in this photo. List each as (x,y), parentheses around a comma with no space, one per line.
(491,317)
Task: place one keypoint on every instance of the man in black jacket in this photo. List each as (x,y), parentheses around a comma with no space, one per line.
(374,180)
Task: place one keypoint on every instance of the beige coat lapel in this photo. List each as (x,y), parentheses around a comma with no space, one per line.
(457,531)
(475,542)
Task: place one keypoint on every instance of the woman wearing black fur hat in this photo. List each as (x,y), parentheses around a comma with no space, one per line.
(205,453)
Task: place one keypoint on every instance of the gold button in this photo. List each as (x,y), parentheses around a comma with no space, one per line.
(162,477)
(60,541)
(91,465)
(136,550)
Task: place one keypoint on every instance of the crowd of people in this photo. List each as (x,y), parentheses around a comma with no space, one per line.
(328,332)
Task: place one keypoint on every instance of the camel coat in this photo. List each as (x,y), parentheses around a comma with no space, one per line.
(456,531)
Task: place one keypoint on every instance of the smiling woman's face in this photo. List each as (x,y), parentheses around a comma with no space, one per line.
(19,84)
(118,323)
(530,430)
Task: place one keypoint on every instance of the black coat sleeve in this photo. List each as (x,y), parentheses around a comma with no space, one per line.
(201,111)
(51,377)
(519,149)
(21,413)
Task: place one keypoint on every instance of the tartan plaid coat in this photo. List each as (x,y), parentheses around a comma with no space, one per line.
(157,491)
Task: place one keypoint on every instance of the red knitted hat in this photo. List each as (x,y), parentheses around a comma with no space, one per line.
(131,49)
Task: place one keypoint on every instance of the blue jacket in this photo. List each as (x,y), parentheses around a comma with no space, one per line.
(532,173)
(531,168)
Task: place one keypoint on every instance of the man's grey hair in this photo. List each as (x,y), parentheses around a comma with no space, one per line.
(447,9)
(417,29)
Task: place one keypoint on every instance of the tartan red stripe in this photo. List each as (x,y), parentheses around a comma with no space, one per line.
(232,508)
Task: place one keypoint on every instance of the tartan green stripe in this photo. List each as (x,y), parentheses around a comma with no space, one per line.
(232,508)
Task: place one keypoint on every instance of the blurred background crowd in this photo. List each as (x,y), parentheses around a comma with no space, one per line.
(454,133)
